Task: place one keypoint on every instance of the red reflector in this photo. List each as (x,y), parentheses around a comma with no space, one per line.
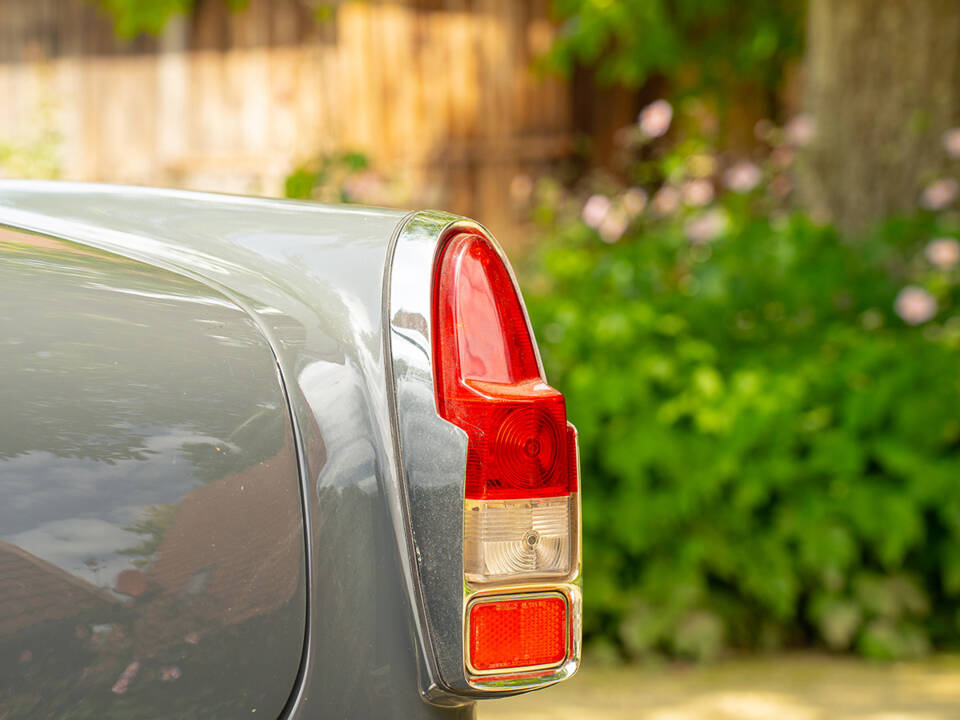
(518,633)
(489,380)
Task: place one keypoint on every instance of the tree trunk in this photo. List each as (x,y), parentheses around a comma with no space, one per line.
(882,85)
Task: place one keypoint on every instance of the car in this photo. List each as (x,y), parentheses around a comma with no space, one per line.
(265,458)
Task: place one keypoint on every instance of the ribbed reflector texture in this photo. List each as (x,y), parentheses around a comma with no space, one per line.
(518,633)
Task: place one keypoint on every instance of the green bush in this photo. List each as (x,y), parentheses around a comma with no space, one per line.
(693,44)
(345,177)
(770,452)
(133,17)
(327,177)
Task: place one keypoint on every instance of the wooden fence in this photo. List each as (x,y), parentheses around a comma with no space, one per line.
(439,94)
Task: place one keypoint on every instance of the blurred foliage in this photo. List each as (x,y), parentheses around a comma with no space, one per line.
(344,177)
(36,156)
(132,17)
(768,412)
(692,43)
(326,177)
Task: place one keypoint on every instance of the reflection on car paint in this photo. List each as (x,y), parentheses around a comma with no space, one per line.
(151,538)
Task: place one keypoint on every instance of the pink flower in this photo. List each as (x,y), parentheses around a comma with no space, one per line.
(742,177)
(613,226)
(800,130)
(169,674)
(595,209)
(666,200)
(915,305)
(706,226)
(782,156)
(366,187)
(937,195)
(521,188)
(951,142)
(634,201)
(655,118)
(697,192)
(943,253)
(781,185)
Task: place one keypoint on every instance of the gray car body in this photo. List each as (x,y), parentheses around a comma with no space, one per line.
(261,326)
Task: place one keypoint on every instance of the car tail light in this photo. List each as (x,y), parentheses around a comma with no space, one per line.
(521,506)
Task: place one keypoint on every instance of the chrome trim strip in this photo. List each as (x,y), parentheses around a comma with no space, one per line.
(431,453)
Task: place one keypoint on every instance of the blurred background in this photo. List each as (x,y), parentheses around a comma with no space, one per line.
(736,227)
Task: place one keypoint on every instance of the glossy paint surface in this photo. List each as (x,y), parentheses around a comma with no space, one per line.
(152,550)
(310,277)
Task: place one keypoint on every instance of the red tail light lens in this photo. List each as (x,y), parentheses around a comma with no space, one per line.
(489,380)
(518,633)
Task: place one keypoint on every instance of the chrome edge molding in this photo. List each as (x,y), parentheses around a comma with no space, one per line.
(432,458)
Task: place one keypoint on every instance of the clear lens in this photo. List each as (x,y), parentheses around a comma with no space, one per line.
(518,539)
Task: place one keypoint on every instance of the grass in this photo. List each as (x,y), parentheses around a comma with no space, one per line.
(793,687)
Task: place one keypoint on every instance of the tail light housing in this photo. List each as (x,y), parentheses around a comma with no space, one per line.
(521,505)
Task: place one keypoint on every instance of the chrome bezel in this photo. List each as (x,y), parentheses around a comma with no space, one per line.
(432,466)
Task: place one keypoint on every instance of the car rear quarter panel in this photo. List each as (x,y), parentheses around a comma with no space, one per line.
(152,553)
(310,278)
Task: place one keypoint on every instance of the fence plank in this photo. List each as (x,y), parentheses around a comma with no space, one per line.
(439,94)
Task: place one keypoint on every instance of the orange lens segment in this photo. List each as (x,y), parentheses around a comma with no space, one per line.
(518,633)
